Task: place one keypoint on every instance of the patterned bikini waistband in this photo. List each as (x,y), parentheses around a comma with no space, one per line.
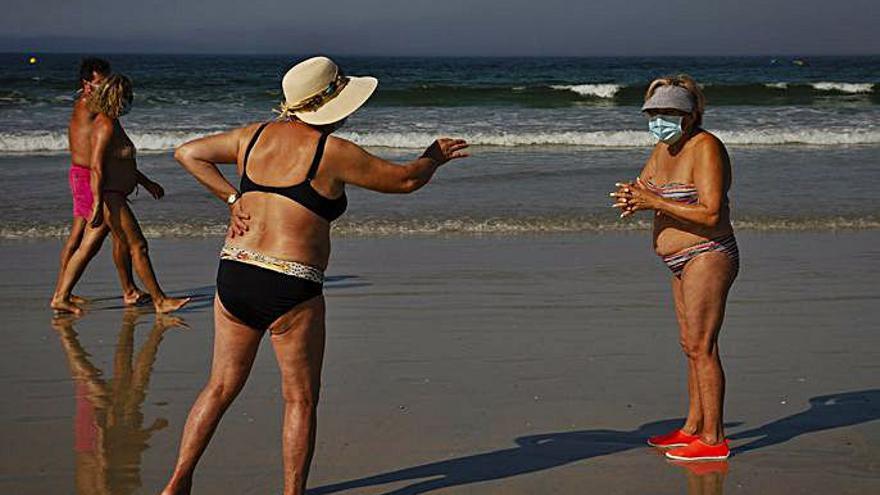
(287,267)
(724,243)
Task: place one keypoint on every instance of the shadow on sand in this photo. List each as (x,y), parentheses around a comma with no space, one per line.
(545,451)
(203,297)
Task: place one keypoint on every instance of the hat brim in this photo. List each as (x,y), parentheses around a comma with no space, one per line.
(647,107)
(355,93)
(666,102)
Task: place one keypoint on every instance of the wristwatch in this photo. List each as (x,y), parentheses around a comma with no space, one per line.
(232,198)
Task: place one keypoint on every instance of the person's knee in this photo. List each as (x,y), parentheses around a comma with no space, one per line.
(301,396)
(697,349)
(139,247)
(224,390)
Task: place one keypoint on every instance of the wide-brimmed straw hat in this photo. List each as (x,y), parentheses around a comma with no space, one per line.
(318,93)
(671,97)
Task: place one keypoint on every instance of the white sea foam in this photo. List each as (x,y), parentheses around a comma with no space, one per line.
(777,85)
(414,140)
(844,87)
(41,141)
(56,142)
(596,90)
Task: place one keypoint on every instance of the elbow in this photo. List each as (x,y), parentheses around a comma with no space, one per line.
(411,185)
(712,220)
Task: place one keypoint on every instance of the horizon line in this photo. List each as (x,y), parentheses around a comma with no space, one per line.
(366,55)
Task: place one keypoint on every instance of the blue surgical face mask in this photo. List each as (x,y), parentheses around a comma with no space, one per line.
(666,128)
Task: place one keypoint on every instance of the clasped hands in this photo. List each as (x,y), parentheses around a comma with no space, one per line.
(633,196)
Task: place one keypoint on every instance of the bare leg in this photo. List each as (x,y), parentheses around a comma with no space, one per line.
(235,347)
(298,340)
(73,241)
(131,295)
(91,243)
(125,226)
(143,364)
(122,370)
(694,421)
(704,478)
(706,281)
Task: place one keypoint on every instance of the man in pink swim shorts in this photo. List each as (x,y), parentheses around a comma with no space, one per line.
(92,72)
(80,188)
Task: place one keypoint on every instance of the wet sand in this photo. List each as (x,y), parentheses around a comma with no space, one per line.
(496,365)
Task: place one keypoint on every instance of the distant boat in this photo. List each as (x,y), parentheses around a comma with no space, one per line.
(800,62)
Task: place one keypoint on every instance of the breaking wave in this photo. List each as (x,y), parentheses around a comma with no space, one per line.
(163,141)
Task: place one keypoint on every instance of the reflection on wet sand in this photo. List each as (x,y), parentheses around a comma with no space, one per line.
(704,478)
(109,436)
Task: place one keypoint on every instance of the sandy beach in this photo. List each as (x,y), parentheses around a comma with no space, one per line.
(486,365)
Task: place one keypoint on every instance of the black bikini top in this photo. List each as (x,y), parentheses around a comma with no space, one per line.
(303,193)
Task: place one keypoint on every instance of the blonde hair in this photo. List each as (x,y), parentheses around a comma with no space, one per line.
(683,81)
(111,96)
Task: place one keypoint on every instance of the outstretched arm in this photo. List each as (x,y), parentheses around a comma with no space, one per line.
(200,158)
(358,167)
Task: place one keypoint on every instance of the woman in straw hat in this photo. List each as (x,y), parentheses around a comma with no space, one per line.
(685,184)
(293,177)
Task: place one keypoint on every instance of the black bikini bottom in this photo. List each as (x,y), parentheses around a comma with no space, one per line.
(258,296)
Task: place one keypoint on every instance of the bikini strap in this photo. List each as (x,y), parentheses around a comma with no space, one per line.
(251,144)
(319,152)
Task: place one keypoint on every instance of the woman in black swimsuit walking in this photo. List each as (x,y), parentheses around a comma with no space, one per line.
(278,246)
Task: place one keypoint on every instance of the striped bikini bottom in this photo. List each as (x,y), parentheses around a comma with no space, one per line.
(726,245)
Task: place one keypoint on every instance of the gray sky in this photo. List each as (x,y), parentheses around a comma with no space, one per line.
(450,27)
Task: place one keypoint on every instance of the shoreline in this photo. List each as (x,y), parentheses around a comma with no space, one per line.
(450,228)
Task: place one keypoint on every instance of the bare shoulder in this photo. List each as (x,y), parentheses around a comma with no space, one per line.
(241,136)
(247,132)
(81,108)
(710,153)
(706,142)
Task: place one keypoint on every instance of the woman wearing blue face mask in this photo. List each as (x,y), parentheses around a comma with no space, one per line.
(685,183)
(114,175)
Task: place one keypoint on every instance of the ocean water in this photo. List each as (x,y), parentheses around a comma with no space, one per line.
(551,137)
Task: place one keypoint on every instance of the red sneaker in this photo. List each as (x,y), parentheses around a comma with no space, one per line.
(676,438)
(700,451)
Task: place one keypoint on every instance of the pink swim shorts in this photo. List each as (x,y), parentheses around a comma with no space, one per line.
(81,190)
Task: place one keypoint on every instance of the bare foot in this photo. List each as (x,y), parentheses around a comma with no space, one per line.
(135,297)
(63,322)
(170,304)
(165,322)
(78,299)
(60,305)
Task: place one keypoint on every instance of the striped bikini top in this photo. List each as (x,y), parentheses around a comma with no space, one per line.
(676,191)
